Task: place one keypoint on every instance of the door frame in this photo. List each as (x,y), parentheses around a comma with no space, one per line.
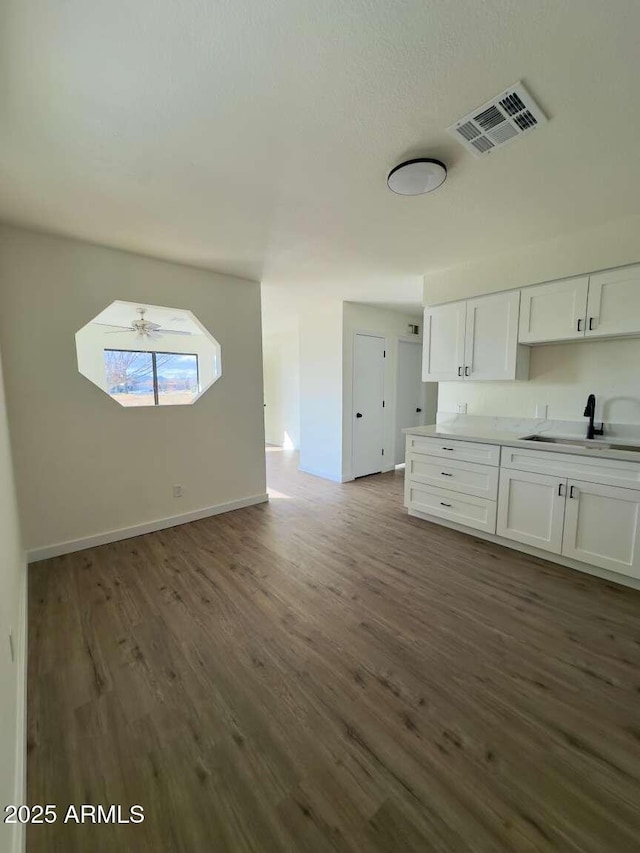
(405,339)
(368,334)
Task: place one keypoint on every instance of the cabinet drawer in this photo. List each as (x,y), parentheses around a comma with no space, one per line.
(609,472)
(463,509)
(466,477)
(466,451)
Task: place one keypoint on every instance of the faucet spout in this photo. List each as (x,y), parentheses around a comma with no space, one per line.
(590,412)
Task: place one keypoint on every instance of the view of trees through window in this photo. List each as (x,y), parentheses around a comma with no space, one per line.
(139,378)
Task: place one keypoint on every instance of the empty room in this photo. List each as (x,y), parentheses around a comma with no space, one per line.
(320,427)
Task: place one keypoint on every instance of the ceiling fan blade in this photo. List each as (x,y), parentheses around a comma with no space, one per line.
(120,331)
(152,326)
(173,332)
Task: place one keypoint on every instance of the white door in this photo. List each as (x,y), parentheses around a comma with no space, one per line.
(443,342)
(602,527)
(531,508)
(491,339)
(416,401)
(555,311)
(614,303)
(368,399)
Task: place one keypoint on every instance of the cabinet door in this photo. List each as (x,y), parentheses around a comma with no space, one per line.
(443,342)
(554,312)
(531,509)
(602,527)
(614,303)
(491,339)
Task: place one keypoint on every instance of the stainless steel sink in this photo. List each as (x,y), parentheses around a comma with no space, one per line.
(593,444)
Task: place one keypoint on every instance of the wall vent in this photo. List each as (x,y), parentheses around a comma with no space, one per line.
(504,118)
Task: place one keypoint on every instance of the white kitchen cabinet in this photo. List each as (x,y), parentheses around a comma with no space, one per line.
(531,508)
(555,311)
(602,527)
(474,340)
(491,337)
(613,307)
(443,342)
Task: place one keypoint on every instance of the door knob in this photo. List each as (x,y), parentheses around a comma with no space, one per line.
(418,410)
(358,414)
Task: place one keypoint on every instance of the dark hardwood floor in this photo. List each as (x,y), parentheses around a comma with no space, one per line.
(324,673)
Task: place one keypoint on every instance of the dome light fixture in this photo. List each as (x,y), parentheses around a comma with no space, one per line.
(415,177)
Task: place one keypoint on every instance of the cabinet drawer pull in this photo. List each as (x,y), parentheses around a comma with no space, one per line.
(444,474)
(448,448)
(442,503)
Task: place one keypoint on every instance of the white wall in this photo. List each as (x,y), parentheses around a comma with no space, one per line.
(84,465)
(281,365)
(321,392)
(610,245)
(12,618)
(392,325)
(561,376)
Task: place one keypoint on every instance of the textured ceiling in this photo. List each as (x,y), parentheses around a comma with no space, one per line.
(255,137)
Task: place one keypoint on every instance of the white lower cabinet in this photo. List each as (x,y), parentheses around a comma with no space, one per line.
(463,509)
(602,527)
(531,509)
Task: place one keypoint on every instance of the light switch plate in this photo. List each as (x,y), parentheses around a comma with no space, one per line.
(542,410)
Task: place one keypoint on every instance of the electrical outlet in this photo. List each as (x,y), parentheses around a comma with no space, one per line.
(12,649)
(177,491)
(541,410)
(461,408)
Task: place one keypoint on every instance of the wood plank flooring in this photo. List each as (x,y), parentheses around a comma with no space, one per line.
(324,673)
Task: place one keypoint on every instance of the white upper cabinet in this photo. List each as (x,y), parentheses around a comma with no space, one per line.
(555,311)
(443,342)
(491,339)
(476,339)
(614,303)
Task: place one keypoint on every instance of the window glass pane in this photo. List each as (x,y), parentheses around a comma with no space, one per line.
(130,377)
(178,381)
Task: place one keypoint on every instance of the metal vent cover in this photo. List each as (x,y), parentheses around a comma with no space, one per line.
(504,118)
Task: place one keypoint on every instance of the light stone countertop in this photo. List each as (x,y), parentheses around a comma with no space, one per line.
(598,447)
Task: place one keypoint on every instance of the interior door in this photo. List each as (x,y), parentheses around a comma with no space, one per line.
(416,401)
(368,398)
(614,303)
(554,312)
(531,508)
(491,338)
(443,345)
(602,527)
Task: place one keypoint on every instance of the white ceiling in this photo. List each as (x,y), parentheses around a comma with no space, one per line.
(255,137)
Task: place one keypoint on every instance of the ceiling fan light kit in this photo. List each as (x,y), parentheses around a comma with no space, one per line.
(416,177)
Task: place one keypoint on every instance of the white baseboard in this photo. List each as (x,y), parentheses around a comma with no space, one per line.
(140,529)
(20,796)
(326,475)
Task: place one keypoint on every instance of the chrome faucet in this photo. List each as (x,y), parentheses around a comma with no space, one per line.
(589,412)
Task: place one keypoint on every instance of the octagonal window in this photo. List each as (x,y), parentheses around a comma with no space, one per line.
(148,355)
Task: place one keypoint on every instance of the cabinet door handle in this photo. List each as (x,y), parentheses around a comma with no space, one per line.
(572,491)
(560,485)
(442,503)
(444,474)
(579,324)
(591,319)
(418,410)
(466,371)
(460,371)
(358,414)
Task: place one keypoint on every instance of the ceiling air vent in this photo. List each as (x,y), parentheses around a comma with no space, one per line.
(498,122)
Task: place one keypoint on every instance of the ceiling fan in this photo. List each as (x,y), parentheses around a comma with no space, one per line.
(146,329)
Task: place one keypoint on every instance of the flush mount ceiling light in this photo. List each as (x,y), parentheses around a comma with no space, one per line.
(415,177)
